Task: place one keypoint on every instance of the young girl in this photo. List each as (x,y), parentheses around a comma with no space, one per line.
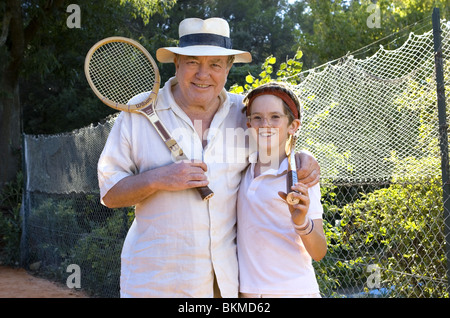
(276,241)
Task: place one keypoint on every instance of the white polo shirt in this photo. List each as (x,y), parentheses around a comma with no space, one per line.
(177,242)
(272,257)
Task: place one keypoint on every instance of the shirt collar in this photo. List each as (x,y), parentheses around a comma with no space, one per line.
(282,169)
(165,96)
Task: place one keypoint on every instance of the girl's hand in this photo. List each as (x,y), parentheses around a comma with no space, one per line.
(298,211)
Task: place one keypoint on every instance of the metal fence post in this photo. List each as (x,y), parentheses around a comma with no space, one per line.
(24,208)
(440,88)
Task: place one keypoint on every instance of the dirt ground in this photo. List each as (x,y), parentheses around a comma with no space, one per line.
(17,283)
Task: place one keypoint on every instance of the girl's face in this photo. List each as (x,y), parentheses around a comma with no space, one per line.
(271,124)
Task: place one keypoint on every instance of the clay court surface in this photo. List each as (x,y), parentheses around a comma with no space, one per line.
(18,283)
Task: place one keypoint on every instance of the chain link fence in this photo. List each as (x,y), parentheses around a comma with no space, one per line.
(373,126)
(63,220)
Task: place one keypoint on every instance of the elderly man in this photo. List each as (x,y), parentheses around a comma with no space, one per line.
(178,244)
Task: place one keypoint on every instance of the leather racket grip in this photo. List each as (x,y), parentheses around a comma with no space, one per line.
(205,192)
(291,180)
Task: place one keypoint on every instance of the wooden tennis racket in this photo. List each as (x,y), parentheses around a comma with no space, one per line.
(120,70)
(292,171)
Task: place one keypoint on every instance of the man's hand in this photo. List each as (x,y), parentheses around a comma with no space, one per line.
(183,175)
(308,169)
(174,177)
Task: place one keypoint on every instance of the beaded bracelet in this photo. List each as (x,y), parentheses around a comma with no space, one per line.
(304,229)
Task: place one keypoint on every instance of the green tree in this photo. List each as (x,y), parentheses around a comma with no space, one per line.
(42,58)
(328,30)
(261,27)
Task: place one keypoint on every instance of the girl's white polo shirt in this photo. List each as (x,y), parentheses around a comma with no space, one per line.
(272,258)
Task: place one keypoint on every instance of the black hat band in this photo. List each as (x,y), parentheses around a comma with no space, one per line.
(205,39)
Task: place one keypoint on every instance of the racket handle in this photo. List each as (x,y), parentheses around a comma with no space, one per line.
(205,192)
(291,180)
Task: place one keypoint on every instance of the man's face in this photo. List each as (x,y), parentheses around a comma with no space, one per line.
(200,79)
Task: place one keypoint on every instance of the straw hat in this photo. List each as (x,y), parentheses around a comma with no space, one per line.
(210,37)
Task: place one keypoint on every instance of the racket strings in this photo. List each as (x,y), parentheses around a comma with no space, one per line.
(121,71)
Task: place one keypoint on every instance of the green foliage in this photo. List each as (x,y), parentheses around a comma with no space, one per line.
(392,227)
(287,73)
(56,98)
(52,228)
(145,9)
(98,254)
(290,69)
(79,231)
(328,30)
(11,221)
(399,228)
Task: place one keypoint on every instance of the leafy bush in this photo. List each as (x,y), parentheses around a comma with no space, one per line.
(52,230)
(400,229)
(78,231)
(98,254)
(10,221)
(288,72)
